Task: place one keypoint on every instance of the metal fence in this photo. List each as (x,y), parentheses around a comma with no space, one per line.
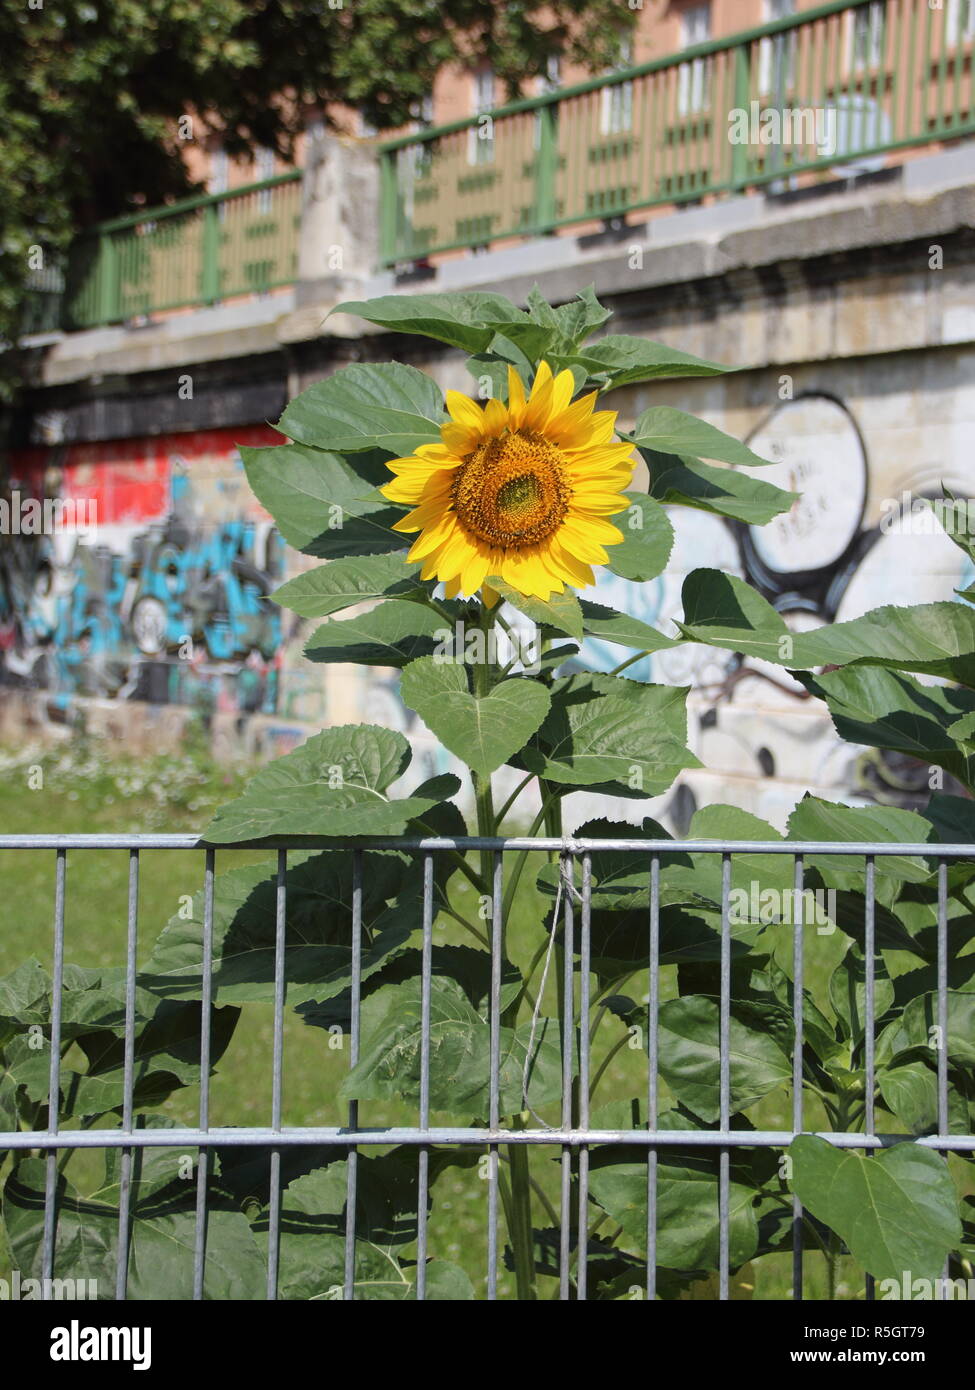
(574,1137)
(188,254)
(846,86)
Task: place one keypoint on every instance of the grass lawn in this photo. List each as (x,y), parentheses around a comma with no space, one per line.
(81,791)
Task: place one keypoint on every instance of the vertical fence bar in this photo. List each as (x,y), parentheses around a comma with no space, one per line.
(869,947)
(494,1079)
(798,972)
(206,1001)
(355,1006)
(128,1081)
(277,1073)
(653,1021)
(585,947)
(423,1158)
(54,1078)
(567,870)
(724,1080)
(943,997)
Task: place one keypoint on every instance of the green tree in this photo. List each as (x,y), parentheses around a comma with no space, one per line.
(92,92)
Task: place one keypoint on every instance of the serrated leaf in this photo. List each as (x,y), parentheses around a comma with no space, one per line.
(887,709)
(390,1060)
(935,639)
(621,359)
(460,319)
(648,539)
(561,611)
(485,731)
(162,1235)
(392,634)
(816,819)
(329,588)
(318,929)
(918,1027)
(325,505)
(669,431)
(385,405)
(688,1226)
(608,625)
(689,482)
(896,1210)
(608,732)
(690,1057)
(334,784)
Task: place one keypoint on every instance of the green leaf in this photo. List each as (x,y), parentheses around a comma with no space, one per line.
(648,539)
(621,359)
(318,929)
(688,1228)
(848,991)
(561,611)
(612,733)
(460,319)
(485,731)
(896,1210)
(911,1093)
(670,431)
(578,319)
(690,1057)
(329,588)
(391,634)
(610,626)
(24,997)
(334,784)
(935,639)
(167,1057)
(494,366)
(918,1027)
(390,1059)
(321,502)
(162,1233)
(721,491)
(816,819)
(370,405)
(312,1236)
(885,709)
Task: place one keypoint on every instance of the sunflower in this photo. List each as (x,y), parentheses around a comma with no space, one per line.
(522,491)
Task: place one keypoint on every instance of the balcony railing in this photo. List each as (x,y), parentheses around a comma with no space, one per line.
(836,89)
(199,251)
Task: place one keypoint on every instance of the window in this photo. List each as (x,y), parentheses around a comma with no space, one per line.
(264,162)
(692,82)
(219,172)
(868,35)
(220,178)
(777,53)
(480,147)
(552,80)
(421,156)
(617,110)
(960,21)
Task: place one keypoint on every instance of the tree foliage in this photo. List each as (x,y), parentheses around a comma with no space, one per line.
(92,92)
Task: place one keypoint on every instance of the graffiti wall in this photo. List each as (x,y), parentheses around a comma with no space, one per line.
(165,601)
(164,598)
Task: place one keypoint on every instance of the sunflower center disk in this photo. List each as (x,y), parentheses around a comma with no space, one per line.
(512,492)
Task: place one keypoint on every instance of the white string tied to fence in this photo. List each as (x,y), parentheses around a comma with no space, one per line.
(570,847)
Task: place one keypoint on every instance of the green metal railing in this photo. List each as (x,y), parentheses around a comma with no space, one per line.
(195,252)
(849,83)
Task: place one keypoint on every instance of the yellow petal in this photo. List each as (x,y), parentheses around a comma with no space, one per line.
(464,411)
(516,398)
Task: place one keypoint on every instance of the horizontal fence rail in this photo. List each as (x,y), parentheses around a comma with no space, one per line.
(189,254)
(826,93)
(572,1140)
